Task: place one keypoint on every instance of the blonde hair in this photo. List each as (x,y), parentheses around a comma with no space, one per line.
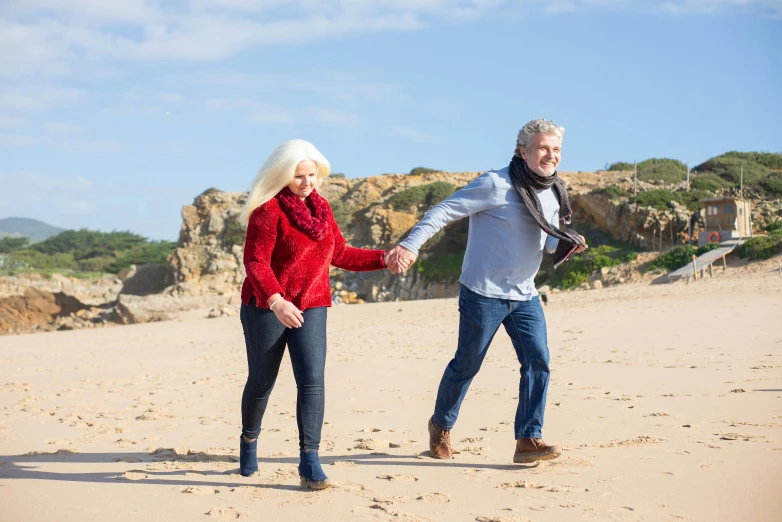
(278,171)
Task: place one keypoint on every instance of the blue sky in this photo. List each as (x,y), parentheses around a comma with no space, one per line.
(115,114)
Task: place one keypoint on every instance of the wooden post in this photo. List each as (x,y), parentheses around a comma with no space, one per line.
(711,274)
(694,271)
(635,178)
(724,263)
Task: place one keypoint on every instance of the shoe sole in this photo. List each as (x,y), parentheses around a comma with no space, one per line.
(526,458)
(315,485)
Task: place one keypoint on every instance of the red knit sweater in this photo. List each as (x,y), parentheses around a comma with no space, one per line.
(280,258)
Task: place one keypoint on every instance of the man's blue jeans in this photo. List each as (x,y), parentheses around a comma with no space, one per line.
(265,338)
(479,319)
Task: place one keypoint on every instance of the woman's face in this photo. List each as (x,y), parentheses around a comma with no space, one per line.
(304,179)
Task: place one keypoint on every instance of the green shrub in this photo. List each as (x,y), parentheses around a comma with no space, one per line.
(728,166)
(155,252)
(772,184)
(337,175)
(679,256)
(89,243)
(95,264)
(762,247)
(234,232)
(9,244)
(774,227)
(423,197)
(660,198)
(38,261)
(708,183)
(620,165)
(612,192)
(423,170)
(343,214)
(674,259)
(578,268)
(442,267)
(663,169)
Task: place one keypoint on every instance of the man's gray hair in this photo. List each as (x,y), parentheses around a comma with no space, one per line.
(536,126)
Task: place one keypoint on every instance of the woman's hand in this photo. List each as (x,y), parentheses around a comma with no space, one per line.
(287,313)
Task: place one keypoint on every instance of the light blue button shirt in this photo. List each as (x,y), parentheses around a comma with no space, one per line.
(505,245)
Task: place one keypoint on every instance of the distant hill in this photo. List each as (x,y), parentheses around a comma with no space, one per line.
(25,227)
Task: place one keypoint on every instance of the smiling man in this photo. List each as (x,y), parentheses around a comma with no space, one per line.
(514,215)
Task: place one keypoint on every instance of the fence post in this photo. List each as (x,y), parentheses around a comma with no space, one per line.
(694,269)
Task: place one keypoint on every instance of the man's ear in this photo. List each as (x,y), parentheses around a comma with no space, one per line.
(523,153)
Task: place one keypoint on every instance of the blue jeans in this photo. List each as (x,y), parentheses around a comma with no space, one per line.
(479,319)
(265,338)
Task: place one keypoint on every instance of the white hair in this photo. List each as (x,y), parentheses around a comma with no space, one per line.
(278,171)
(536,126)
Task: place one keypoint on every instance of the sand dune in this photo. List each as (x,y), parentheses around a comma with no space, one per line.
(666,399)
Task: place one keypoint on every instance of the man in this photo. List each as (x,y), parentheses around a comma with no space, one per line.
(514,213)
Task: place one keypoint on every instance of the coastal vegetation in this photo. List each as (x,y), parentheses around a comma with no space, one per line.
(679,256)
(763,247)
(421,197)
(82,251)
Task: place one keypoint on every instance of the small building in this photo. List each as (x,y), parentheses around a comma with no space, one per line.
(726,218)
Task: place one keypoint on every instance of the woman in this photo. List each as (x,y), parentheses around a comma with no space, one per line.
(292,238)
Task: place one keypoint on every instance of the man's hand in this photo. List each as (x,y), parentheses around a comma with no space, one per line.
(399,259)
(581,248)
(287,313)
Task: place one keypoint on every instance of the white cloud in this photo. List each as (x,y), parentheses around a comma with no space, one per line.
(29,194)
(63,142)
(412,135)
(37,99)
(62,128)
(10,122)
(332,117)
(55,37)
(254,111)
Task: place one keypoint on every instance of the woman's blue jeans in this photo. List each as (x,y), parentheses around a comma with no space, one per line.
(266,338)
(479,319)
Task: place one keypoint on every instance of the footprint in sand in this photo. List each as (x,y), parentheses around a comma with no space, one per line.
(224,513)
(200,490)
(398,478)
(344,463)
(390,500)
(131,460)
(504,518)
(441,498)
(134,474)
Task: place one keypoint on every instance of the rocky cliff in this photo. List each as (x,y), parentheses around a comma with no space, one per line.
(208,257)
(378,211)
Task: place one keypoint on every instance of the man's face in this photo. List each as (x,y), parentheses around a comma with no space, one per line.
(543,154)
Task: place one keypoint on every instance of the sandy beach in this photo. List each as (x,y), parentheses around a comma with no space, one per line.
(666,399)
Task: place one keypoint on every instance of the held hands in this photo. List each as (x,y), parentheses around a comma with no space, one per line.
(399,259)
(581,248)
(286,312)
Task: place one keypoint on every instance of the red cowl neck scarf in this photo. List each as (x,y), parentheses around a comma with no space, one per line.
(311,216)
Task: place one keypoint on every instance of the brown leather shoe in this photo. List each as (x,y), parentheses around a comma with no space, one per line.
(530,450)
(439,442)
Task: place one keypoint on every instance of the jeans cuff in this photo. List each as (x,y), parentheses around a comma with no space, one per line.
(529,435)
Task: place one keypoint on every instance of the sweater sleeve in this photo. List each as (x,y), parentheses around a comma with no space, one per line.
(352,258)
(258,248)
(479,195)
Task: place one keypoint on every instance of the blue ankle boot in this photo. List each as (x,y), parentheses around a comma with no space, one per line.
(248,457)
(310,472)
